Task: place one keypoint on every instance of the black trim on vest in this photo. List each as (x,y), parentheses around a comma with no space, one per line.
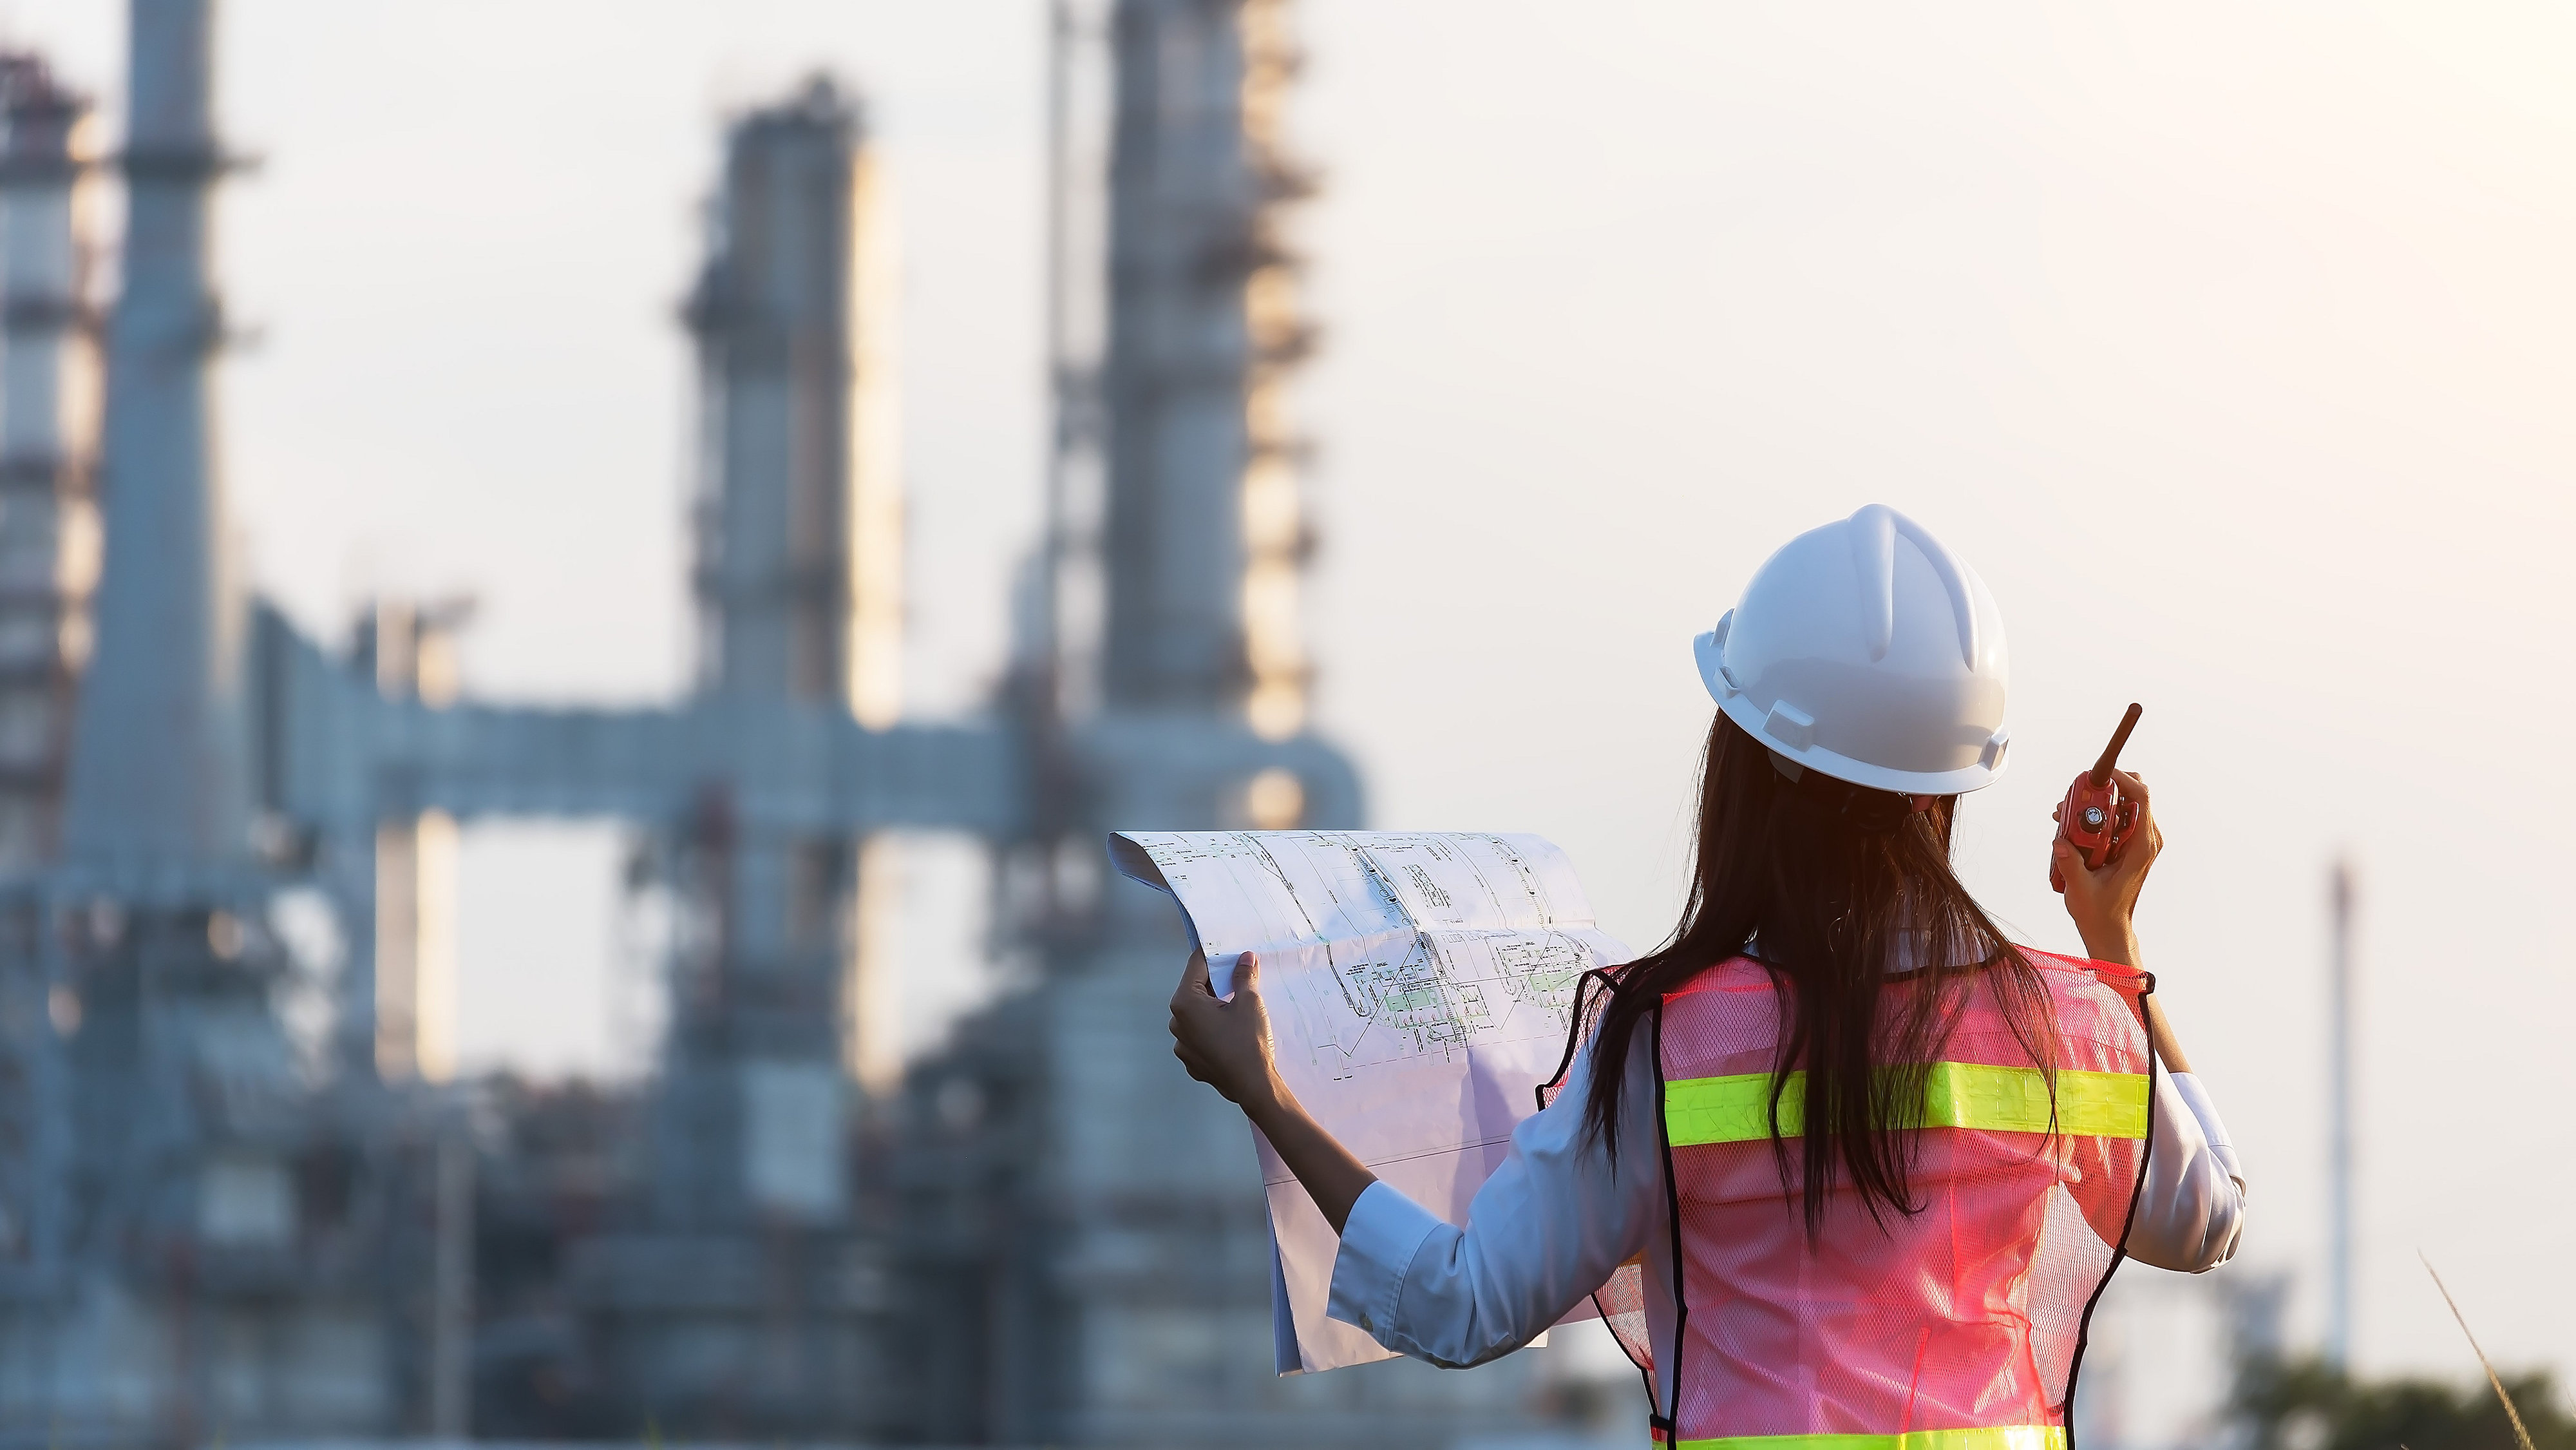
(2137,1190)
(1608,985)
(1645,1371)
(1673,1213)
(1598,976)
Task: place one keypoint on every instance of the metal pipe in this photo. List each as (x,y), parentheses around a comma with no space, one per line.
(451,1327)
(2339,1015)
(1048,646)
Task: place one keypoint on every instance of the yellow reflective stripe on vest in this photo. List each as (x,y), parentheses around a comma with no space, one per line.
(1955,1095)
(1997,1437)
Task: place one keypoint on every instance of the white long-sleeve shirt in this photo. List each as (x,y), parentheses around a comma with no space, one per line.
(1559,1214)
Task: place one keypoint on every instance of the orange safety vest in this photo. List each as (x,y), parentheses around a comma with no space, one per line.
(1955,1328)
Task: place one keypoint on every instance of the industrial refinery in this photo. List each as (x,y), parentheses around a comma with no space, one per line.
(785,1233)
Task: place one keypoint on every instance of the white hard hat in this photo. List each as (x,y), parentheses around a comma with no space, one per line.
(1866,650)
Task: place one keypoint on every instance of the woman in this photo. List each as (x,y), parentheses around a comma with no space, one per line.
(1837,1159)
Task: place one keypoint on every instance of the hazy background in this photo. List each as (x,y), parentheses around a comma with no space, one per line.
(2231,342)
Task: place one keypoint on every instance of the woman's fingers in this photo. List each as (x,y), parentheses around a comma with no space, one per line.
(1196,1009)
(1190,1001)
(1194,982)
(1222,1041)
(2152,834)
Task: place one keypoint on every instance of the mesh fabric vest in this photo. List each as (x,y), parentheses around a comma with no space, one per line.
(1955,1328)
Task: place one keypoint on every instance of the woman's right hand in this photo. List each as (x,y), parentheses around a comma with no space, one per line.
(2103,902)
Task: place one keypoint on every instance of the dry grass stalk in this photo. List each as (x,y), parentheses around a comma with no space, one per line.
(2519,1433)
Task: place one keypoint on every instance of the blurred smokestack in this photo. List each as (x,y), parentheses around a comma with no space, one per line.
(158,797)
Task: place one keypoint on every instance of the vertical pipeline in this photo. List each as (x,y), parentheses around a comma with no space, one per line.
(2339,1305)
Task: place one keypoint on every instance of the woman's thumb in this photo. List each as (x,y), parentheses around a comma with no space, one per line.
(1247,972)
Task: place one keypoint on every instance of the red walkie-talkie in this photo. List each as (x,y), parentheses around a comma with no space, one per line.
(2093,818)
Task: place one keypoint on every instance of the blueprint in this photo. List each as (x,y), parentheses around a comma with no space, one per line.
(1420,986)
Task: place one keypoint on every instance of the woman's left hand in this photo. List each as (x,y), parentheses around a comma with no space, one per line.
(1225,1042)
(2104,901)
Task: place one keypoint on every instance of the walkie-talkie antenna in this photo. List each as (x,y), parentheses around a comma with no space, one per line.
(2111,752)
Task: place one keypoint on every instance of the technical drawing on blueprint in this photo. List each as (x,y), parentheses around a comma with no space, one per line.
(1420,986)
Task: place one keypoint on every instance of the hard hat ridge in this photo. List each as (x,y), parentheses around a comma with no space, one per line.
(1874,530)
(1868,651)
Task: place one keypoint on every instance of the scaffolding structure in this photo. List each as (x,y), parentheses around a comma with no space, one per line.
(49,391)
(48,565)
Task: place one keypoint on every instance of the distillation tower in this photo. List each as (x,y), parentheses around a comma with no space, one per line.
(748,1297)
(1086,1241)
(158,1291)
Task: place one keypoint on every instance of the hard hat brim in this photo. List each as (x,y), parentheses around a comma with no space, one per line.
(1709,649)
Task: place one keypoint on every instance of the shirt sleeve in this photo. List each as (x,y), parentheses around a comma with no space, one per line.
(1547,1229)
(2191,1210)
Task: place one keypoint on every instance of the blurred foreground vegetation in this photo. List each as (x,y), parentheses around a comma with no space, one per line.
(2307,1405)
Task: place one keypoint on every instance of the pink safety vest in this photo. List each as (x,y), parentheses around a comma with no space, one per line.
(1956,1328)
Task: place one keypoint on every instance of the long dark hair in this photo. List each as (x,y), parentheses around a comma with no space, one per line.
(1845,895)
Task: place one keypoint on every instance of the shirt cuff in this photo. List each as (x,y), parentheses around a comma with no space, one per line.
(2195,1097)
(1379,1241)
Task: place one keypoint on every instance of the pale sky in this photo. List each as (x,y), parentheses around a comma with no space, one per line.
(2231,342)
